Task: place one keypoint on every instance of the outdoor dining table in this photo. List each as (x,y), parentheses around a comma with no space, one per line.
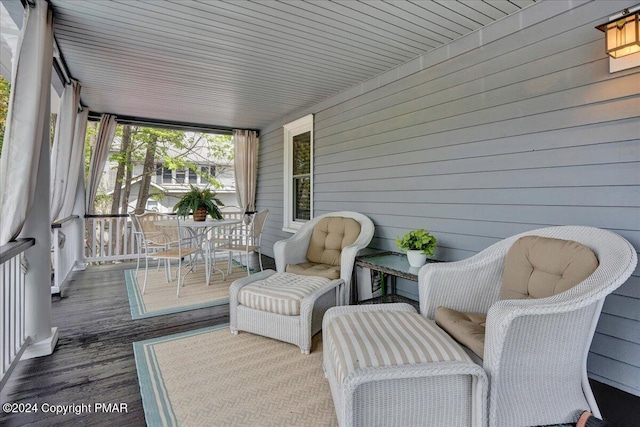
(199,230)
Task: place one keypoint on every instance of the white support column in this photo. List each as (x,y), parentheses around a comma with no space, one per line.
(38,276)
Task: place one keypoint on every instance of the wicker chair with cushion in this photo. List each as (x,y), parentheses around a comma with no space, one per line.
(325,246)
(525,310)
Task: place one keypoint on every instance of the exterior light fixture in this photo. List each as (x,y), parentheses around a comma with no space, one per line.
(622,34)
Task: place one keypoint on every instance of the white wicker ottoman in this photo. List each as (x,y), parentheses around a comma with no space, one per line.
(389,366)
(284,306)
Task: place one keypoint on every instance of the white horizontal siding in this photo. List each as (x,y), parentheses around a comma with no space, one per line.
(528,131)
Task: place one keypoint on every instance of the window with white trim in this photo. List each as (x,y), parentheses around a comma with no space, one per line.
(167,175)
(298,173)
(181,175)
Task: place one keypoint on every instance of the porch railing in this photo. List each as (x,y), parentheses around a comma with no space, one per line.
(13,267)
(111,238)
(63,253)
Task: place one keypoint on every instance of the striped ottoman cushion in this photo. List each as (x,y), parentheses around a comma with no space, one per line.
(387,338)
(280,293)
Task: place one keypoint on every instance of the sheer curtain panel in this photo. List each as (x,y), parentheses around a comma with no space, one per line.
(27,119)
(99,154)
(76,168)
(246,167)
(63,153)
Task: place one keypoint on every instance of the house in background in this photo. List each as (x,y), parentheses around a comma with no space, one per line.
(167,185)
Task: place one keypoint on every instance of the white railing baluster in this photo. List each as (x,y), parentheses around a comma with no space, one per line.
(113,235)
(101,238)
(12,306)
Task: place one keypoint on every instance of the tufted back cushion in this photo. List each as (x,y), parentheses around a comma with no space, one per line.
(330,235)
(539,267)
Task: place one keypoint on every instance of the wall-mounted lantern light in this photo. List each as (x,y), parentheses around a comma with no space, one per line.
(622,34)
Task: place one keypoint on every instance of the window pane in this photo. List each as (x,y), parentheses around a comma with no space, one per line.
(167,177)
(302,202)
(180,175)
(302,153)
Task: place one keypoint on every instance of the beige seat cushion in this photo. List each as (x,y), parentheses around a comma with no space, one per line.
(311,269)
(535,267)
(280,293)
(362,340)
(466,328)
(539,267)
(329,236)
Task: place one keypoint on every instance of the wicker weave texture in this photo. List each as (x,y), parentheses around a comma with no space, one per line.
(451,393)
(294,249)
(296,330)
(536,349)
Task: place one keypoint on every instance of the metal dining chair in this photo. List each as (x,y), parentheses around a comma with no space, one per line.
(165,230)
(244,239)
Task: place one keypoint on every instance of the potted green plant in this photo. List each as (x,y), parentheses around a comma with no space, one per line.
(200,202)
(418,244)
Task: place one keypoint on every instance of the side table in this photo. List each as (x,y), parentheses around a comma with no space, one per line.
(395,265)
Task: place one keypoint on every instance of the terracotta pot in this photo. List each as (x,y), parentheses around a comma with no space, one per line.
(200,214)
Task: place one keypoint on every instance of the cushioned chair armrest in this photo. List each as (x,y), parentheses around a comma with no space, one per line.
(349,253)
(292,250)
(334,312)
(470,286)
(348,258)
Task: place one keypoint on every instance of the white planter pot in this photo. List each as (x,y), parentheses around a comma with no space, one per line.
(416,258)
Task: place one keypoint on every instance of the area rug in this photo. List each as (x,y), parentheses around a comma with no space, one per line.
(211,377)
(160,297)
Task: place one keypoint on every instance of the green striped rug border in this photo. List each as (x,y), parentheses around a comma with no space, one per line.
(155,401)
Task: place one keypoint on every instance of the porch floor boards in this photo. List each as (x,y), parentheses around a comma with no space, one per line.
(94,363)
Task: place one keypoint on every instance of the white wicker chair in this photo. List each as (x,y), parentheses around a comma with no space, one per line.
(294,249)
(535,351)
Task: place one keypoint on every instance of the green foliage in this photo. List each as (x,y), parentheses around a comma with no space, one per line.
(196,198)
(5,89)
(419,240)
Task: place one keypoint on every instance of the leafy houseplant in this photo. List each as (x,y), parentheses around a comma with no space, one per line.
(200,202)
(418,244)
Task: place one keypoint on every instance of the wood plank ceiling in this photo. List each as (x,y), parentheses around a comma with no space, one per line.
(244,64)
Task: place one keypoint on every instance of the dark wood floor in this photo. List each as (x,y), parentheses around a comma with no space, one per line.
(94,362)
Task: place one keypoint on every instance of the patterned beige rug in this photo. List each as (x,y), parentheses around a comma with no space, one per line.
(160,297)
(210,377)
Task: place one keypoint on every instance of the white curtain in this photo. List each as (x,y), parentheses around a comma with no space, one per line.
(99,154)
(27,119)
(76,165)
(246,167)
(64,154)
